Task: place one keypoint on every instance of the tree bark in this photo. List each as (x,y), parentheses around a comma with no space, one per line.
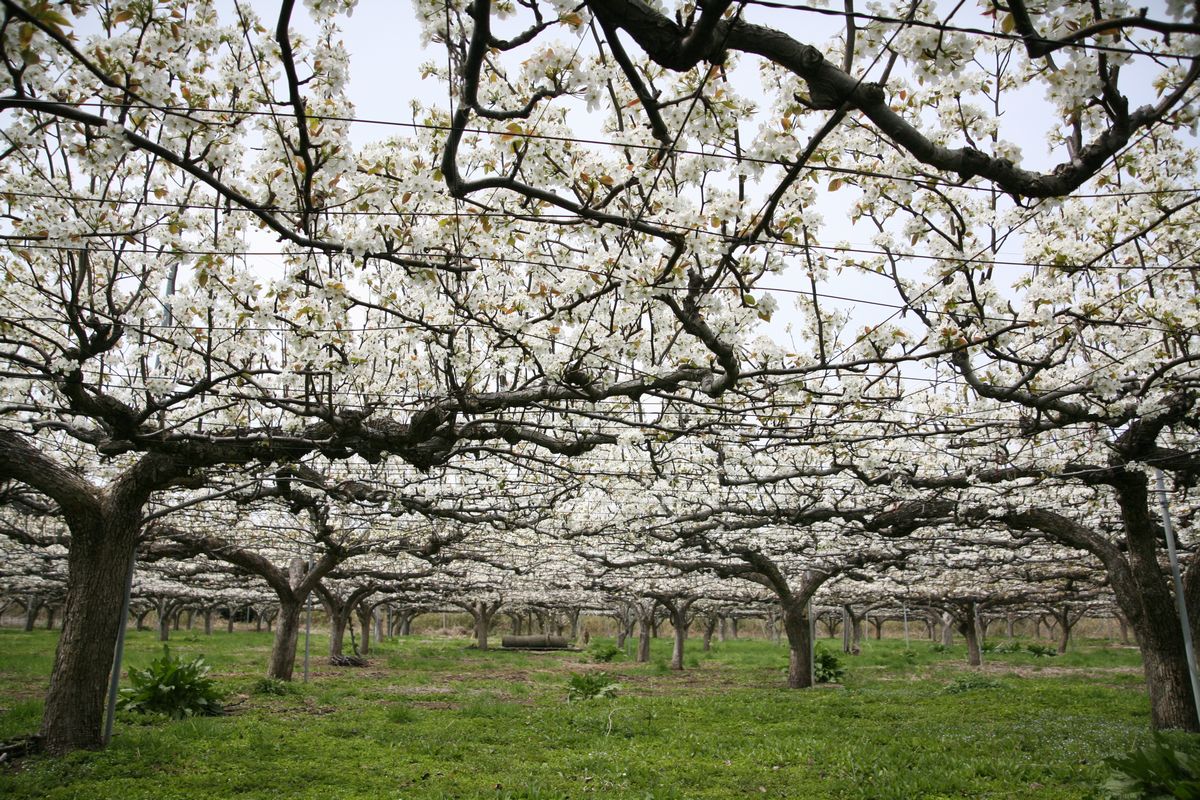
(164,619)
(287,633)
(710,627)
(481,631)
(97,565)
(364,613)
(32,606)
(798,628)
(968,626)
(645,628)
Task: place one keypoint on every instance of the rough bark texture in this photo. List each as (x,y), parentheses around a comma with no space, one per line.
(287,633)
(645,628)
(798,628)
(97,565)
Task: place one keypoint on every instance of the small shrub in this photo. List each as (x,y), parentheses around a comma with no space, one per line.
(603,653)
(173,687)
(659,666)
(969,683)
(273,686)
(988,647)
(1011,646)
(908,655)
(937,647)
(1164,769)
(827,668)
(1041,650)
(589,685)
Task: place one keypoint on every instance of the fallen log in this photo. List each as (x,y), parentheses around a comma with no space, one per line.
(535,642)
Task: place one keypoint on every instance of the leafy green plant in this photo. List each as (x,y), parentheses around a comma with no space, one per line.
(1011,646)
(589,685)
(937,647)
(603,653)
(173,687)
(1164,769)
(1041,650)
(273,686)
(827,668)
(969,683)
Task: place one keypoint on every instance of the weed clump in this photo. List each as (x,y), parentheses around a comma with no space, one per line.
(827,668)
(1167,768)
(603,653)
(590,685)
(173,687)
(969,683)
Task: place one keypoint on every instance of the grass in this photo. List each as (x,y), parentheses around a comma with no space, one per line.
(431,719)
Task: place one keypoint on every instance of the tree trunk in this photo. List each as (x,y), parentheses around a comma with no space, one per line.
(481,631)
(191,614)
(406,624)
(1064,638)
(681,633)
(968,626)
(1008,626)
(164,620)
(32,607)
(1124,629)
(877,623)
(287,634)
(723,631)
(710,627)
(680,622)
(733,627)
(229,624)
(364,627)
(98,563)
(798,628)
(947,630)
(645,627)
(337,630)
(208,615)
(51,614)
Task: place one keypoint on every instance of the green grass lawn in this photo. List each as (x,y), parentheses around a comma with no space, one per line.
(430,718)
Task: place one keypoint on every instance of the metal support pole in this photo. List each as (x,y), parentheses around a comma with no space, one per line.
(1180,601)
(812,645)
(114,680)
(307,635)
